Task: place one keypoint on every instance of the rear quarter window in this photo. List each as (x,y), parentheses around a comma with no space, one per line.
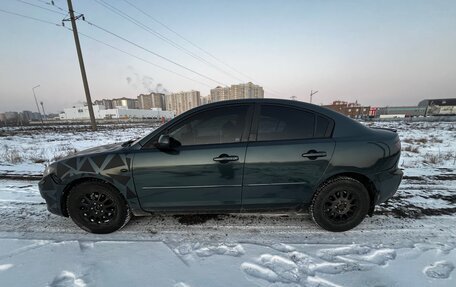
(323,127)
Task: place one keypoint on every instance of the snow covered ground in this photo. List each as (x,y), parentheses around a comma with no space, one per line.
(410,241)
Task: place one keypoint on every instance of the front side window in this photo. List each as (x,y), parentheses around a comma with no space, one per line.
(284,123)
(217,126)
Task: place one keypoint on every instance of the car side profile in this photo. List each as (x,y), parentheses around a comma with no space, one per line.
(255,155)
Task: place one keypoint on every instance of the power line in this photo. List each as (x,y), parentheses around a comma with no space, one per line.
(43,8)
(52,3)
(162,37)
(139,58)
(29,17)
(185,39)
(122,51)
(190,42)
(108,45)
(154,53)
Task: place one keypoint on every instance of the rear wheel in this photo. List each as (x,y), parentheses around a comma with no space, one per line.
(340,204)
(97,207)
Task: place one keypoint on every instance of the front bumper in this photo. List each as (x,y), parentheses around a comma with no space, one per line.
(387,183)
(52,193)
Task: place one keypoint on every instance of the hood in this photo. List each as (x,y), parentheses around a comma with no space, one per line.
(100,149)
(95,150)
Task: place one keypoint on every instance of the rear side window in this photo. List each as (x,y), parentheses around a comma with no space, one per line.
(284,123)
(322,127)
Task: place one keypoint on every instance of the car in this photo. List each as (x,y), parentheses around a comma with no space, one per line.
(252,155)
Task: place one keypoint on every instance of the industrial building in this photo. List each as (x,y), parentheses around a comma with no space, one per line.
(19,118)
(107,103)
(100,112)
(439,107)
(352,110)
(400,112)
(429,107)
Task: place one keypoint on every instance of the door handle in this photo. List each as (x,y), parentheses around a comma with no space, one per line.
(224,158)
(313,154)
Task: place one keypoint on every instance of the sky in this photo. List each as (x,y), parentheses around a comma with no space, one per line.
(379,53)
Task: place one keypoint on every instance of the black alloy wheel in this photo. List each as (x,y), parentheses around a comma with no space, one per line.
(97,207)
(340,204)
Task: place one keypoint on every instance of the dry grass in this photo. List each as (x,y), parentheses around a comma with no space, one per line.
(11,155)
(64,153)
(411,148)
(408,140)
(431,158)
(418,140)
(37,159)
(439,158)
(422,140)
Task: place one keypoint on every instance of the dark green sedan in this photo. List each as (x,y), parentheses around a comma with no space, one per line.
(256,155)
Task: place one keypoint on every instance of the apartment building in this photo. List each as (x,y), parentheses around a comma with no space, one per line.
(182,101)
(151,101)
(240,91)
(125,103)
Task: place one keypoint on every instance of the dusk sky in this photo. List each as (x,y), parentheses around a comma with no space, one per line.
(377,52)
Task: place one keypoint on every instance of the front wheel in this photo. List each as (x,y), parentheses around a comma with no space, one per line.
(97,207)
(340,204)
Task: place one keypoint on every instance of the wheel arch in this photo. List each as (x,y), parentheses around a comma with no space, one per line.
(363,179)
(78,181)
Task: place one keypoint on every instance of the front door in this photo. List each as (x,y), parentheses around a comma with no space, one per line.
(205,172)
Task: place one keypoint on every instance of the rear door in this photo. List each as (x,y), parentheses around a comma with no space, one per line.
(288,152)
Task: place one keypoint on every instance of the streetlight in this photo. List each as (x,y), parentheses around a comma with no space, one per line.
(311,94)
(36,102)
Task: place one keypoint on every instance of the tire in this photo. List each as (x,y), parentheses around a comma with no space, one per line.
(340,204)
(97,207)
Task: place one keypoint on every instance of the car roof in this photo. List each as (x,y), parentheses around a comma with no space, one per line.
(344,126)
(339,118)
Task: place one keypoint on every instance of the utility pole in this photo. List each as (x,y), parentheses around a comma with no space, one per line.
(81,63)
(311,94)
(36,102)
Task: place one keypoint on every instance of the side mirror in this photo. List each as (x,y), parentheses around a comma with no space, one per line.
(164,142)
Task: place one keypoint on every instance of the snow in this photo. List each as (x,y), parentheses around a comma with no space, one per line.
(153,263)
(410,241)
(35,147)
(439,270)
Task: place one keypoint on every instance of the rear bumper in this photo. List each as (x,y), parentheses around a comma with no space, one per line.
(52,193)
(387,183)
